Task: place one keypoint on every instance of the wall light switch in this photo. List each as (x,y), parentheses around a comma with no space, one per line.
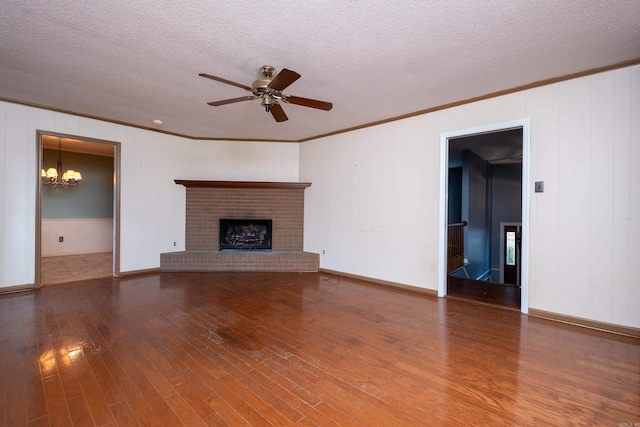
(539,186)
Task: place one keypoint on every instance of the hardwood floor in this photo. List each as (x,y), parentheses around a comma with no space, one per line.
(55,270)
(312,349)
(504,295)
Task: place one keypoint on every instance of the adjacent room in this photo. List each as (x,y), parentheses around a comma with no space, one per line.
(383,213)
(77,226)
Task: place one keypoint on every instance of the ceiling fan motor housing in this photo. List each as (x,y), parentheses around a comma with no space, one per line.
(268,71)
(261,85)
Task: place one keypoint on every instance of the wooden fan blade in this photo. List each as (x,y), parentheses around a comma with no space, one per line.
(306,102)
(283,79)
(229,82)
(231,101)
(278,113)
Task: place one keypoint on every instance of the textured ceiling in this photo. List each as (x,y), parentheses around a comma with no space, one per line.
(134,61)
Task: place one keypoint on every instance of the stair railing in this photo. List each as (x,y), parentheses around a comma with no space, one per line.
(455,246)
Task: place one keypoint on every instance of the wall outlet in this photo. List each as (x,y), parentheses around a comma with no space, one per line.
(323,252)
(174,243)
(60,239)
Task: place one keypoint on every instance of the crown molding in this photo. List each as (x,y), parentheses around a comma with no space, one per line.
(532,85)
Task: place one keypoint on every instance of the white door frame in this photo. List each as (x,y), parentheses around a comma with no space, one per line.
(526,193)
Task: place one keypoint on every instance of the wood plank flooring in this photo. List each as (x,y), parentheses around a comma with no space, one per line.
(487,292)
(289,349)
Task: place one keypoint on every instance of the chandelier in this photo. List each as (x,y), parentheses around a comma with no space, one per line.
(53,176)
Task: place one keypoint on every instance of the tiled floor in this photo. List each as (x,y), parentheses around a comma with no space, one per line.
(72,268)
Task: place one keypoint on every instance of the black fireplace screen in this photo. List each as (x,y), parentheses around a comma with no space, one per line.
(245,234)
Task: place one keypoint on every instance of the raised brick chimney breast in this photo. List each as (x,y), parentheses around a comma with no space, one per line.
(209,201)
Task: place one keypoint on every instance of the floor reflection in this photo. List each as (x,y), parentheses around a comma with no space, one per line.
(291,348)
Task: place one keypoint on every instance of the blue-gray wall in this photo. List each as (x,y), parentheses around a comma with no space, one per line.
(454,209)
(92,198)
(476,210)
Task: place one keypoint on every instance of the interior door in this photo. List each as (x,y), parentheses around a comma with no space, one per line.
(511,244)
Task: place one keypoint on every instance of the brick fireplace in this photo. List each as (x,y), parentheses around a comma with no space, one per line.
(207,202)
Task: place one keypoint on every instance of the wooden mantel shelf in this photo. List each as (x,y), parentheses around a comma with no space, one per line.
(241,184)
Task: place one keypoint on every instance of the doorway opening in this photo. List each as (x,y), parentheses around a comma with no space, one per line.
(484,201)
(77,227)
(510,253)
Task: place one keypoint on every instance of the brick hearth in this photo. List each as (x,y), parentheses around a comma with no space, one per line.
(208,201)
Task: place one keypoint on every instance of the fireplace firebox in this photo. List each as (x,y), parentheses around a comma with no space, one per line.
(245,234)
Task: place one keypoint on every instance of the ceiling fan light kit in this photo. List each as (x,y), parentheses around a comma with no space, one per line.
(268,88)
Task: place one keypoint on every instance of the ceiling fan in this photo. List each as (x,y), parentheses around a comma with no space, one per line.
(268,88)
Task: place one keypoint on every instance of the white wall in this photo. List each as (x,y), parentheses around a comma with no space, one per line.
(80,236)
(152,205)
(373,205)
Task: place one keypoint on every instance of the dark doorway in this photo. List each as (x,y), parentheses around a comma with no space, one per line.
(485,193)
(511,254)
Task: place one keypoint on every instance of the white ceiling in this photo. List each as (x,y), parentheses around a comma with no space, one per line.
(134,61)
(78,146)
